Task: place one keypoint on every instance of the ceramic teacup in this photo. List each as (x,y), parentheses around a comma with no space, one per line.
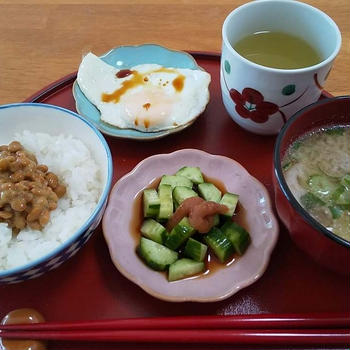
(260,99)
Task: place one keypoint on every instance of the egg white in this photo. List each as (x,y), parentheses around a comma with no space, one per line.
(155,104)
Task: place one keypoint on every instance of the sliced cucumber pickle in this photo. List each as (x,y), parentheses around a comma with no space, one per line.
(153,230)
(237,235)
(166,202)
(181,193)
(192,173)
(195,250)
(209,192)
(155,255)
(220,244)
(179,234)
(151,202)
(230,200)
(183,268)
(175,180)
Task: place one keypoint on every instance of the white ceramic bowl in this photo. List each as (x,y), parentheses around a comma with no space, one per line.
(224,282)
(55,120)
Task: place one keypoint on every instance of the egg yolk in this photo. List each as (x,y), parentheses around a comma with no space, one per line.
(156,109)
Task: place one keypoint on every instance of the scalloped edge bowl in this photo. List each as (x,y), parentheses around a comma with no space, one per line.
(225,282)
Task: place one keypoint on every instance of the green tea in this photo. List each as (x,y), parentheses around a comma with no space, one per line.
(278,50)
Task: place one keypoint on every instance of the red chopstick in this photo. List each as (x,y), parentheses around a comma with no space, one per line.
(259,321)
(236,336)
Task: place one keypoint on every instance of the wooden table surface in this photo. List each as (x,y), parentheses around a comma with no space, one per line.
(43,40)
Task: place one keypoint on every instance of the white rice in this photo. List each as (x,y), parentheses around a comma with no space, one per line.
(72,162)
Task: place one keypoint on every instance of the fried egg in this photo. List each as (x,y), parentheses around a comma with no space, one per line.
(147,97)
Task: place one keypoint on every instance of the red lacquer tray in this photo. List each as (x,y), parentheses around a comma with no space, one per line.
(90,287)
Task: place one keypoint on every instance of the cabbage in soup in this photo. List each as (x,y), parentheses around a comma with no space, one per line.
(317,170)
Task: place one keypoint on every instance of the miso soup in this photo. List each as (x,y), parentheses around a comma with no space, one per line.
(317,170)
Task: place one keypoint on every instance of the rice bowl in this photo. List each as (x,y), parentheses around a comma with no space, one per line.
(77,152)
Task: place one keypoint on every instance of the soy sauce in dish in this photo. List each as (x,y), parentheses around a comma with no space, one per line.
(211,262)
(25,315)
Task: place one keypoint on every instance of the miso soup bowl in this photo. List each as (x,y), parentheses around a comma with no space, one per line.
(309,235)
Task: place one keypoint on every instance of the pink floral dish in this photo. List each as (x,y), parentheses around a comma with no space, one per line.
(219,284)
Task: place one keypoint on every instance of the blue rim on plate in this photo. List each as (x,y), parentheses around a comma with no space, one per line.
(123,57)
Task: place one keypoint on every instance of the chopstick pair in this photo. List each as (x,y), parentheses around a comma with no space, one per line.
(244,329)
(217,336)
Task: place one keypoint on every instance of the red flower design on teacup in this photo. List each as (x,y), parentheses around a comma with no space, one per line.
(250,104)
